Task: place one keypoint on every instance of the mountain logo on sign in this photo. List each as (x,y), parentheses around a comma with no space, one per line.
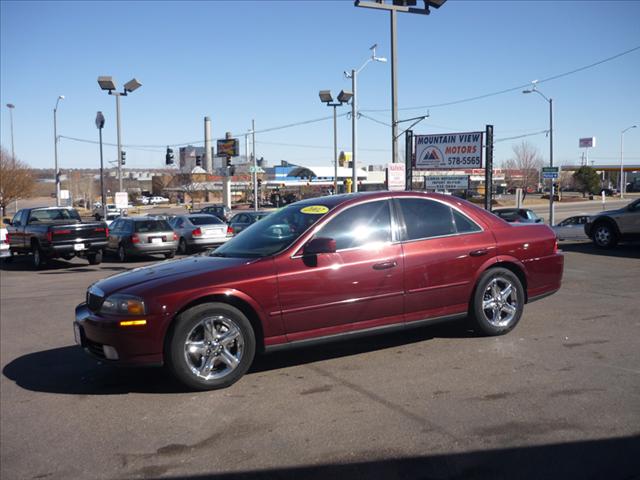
(431,156)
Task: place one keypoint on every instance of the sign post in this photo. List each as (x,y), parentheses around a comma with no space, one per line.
(228,147)
(488,171)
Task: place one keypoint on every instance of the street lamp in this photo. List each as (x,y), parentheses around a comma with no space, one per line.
(354,111)
(100,126)
(343,97)
(11,106)
(550,101)
(56,173)
(408,6)
(107,83)
(622,182)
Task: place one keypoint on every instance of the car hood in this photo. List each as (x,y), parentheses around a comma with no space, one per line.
(610,212)
(176,269)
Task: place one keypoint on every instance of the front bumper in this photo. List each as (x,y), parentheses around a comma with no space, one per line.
(136,345)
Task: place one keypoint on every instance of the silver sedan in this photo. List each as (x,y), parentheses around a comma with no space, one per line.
(199,230)
(571,228)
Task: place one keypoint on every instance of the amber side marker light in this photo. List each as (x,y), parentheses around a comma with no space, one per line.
(132,323)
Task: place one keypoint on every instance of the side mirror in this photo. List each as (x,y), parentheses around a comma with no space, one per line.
(6,221)
(319,245)
(538,220)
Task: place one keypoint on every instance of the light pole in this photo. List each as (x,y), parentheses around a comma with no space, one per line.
(108,83)
(551,190)
(354,112)
(100,126)
(396,6)
(343,97)
(55,150)
(623,184)
(11,106)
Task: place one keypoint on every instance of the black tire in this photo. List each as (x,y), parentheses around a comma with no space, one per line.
(493,310)
(604,235)
(170,254)
(37,257)
(122,254)
(188,329)
(183,248)
(95,258)
(98,217)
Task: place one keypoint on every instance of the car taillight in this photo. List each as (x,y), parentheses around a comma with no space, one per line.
(61,232)
(106,231)
(7,239)
(100,229)
(229,230)
(175,236)
(197,232)
(135,238)
(555,246)
(49,236)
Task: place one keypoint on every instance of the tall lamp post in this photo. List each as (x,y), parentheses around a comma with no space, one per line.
(354,112)
(108,83)
(408,6)
(55,150)
(623,184)
(100,126)
(551,190)
(343,97)
(11,106)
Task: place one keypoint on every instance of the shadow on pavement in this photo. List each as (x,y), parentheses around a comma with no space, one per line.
(69,370)
(611,459)
(622,250)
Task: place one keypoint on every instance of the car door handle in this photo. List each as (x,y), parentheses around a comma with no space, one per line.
(479,253)
(385,265)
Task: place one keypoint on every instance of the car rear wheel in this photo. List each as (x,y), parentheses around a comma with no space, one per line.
(37,259)
(95,258)
(170,254)
(498,302)
(211,346)
(182,247)
(604,236)
(122,254)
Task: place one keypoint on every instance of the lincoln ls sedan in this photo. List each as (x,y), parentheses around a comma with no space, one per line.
(318,270)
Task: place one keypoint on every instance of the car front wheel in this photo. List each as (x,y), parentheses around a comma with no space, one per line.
(211,346)
(498,302)
(122,254)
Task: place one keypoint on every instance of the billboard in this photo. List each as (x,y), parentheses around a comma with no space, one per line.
(448,151)
(396,177)
(588,142)
(228,147)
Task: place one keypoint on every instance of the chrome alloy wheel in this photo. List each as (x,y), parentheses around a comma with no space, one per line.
(214,347)
(500,302)
(602,235)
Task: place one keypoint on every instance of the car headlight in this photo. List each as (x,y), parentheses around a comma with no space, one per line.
(120,304)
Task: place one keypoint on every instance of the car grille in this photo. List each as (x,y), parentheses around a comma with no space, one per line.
(94,348)
(94,302)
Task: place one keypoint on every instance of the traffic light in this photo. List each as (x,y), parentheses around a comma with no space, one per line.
(169,156)
(259,182)
(227,162)
(123,157)
(198,160)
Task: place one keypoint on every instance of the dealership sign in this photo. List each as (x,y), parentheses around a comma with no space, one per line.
(449,151)
(446,182)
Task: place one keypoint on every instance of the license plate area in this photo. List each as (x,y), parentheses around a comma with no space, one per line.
(78,246)
(155,240)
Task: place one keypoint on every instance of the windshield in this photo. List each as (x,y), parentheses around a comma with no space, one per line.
(145,226)
(272,234)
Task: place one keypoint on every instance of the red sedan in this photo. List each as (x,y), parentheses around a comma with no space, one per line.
(318,270)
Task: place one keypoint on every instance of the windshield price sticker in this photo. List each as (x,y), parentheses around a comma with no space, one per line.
(315,209)
(449,151)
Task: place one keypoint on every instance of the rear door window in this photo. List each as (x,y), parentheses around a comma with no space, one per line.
(426,218)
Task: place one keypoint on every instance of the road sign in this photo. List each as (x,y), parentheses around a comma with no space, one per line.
(550,172)
(449,151)
(253,169)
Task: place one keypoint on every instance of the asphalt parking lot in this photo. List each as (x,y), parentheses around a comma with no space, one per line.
(559,397)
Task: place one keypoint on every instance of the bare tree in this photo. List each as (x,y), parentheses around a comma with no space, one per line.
(523,168)
(16,179)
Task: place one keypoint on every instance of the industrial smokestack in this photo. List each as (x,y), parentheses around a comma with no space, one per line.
(208,161)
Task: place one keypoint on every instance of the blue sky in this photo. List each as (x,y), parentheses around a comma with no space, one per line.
(266,60)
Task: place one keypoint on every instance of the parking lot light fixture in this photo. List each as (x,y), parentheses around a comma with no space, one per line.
(534,89)
(622,182)
(56,172)
(343,97)
(108,83)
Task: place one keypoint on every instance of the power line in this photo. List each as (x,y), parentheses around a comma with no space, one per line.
(512,89)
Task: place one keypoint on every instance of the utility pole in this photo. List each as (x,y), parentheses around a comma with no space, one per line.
(255,166)
(394,89)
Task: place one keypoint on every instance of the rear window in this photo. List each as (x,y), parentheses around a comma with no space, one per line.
(210,220)
(53,214)
(145,226)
